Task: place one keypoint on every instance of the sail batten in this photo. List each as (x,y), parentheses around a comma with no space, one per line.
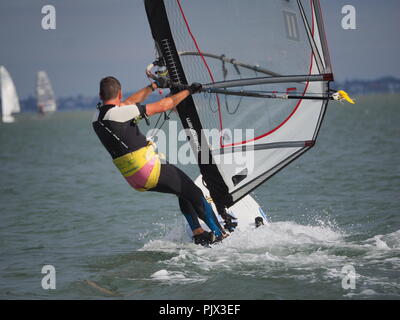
(279,80)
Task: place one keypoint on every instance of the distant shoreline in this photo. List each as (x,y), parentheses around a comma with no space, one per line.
(356,88)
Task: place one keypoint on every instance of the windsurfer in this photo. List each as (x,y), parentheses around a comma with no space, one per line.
(115,123)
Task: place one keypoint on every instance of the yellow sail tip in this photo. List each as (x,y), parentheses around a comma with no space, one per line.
(343,96)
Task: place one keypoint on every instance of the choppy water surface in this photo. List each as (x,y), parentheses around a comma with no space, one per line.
(63,203)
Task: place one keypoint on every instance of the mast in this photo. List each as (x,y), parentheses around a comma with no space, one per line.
(161,31)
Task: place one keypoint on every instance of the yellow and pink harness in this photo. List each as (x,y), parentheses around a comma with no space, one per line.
(140,168)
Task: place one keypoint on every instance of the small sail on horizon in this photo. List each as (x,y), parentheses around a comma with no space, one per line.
(9,98)
(46,101)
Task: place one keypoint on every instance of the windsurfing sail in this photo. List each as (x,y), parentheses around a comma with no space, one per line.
(264,66)
(9,98)
(46,101)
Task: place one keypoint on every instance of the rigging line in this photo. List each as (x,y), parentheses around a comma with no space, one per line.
(237,106)
(166,118)
(231,61)
(226,96)
(267,109)
(210,97)
(158,120)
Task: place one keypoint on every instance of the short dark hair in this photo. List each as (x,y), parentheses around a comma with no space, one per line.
(109,87)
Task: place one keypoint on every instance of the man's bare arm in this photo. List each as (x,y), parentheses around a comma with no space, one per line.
(139,96)
(166,103)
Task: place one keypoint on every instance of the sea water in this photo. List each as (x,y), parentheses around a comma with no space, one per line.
(63,203)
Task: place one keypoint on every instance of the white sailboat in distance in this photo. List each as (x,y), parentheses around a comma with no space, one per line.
(46,101)
(9,98)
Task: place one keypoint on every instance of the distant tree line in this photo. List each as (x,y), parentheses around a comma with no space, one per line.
(353,87)
(364,87)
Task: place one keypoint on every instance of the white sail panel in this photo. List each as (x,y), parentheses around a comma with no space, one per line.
(9,98)
(248,57)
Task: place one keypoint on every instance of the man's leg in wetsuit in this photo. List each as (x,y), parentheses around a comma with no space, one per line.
(191,199)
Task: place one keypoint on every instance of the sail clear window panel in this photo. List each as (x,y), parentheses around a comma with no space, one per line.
(267,34)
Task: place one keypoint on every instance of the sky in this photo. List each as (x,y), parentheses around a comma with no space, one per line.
(96,38)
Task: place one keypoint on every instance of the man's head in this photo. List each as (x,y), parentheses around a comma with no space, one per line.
(110,89)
